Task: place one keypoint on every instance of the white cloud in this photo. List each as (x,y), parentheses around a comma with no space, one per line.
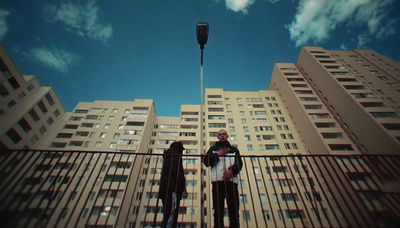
(363,39)
(241,5)
(343,47)
(238,5)
(316,19)
(273,1)
(57,59)
(3,24)
(82,19)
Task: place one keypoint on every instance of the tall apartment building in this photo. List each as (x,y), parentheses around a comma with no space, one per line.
(352,95)
(27,110)
(329,103)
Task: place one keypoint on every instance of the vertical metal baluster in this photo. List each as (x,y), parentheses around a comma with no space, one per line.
(80,195)
(277,197)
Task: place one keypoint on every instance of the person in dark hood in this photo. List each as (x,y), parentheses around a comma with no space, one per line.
(172,183)
(225,163)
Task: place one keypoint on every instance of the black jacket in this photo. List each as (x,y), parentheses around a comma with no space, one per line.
(211,159)
(172,173)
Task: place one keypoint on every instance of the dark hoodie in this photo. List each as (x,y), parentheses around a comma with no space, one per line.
(172,173)
(212,159)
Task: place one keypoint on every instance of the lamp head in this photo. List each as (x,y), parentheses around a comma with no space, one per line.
(202,33)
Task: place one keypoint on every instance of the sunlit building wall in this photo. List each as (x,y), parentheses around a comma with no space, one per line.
(28,111)
(303,113)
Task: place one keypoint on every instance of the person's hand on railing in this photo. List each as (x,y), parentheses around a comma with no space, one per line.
(228,174)
(222,152)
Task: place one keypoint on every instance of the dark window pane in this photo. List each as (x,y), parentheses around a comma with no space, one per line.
(4,68)
(49,99)
(14,136)
(42,107)
(3,91)
(24,125)
(13,82)
(34,115)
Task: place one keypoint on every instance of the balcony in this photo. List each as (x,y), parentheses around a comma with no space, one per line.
(119,189)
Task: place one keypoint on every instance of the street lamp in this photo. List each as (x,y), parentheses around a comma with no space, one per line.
(202,36)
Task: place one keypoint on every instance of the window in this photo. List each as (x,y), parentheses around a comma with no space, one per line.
(4,69)
(325,125)
(59,144)
(354,87)
(30,87)
(299,85)
(64,135)
(363,95)
(3,91)
(340,147)
(385,114)
(271,147)
(97,145)
(313,106)
(214,102)
(267,215)
(332,135)
(92,117)
(88,125)
(75,143)
(308,98)
(295,79)
(81,111)
(319,115)
(11,103)
(71,126)
(75,118)
(134,123)
(14,136)
(24,125)
(113,145)
(42,129)
(56,113)
(107,126)
(303,92)
(49,99)
(258,106)
(42,107)
(372,104)
(294,214)
(243,198)
(50,121)
(34,139)
(346,79)
(215,109)
(217,125)
(246,215)
(13,82)
(82,133)
(392,126)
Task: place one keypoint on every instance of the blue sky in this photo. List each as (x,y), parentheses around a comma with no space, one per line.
(121,50)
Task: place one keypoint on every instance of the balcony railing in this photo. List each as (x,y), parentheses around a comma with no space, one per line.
(119,189)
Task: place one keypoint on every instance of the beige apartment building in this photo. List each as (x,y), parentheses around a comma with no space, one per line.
(28,111)
(100,165)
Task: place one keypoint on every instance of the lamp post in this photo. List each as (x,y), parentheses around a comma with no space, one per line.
(202,36)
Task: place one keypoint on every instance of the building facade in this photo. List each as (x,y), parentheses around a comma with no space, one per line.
(100,165)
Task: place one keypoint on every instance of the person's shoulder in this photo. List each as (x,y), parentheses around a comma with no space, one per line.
(234,148)
(213,147)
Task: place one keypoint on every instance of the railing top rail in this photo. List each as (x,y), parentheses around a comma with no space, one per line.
(202,155)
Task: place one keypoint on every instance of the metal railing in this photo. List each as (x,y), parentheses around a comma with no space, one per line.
(119,189)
